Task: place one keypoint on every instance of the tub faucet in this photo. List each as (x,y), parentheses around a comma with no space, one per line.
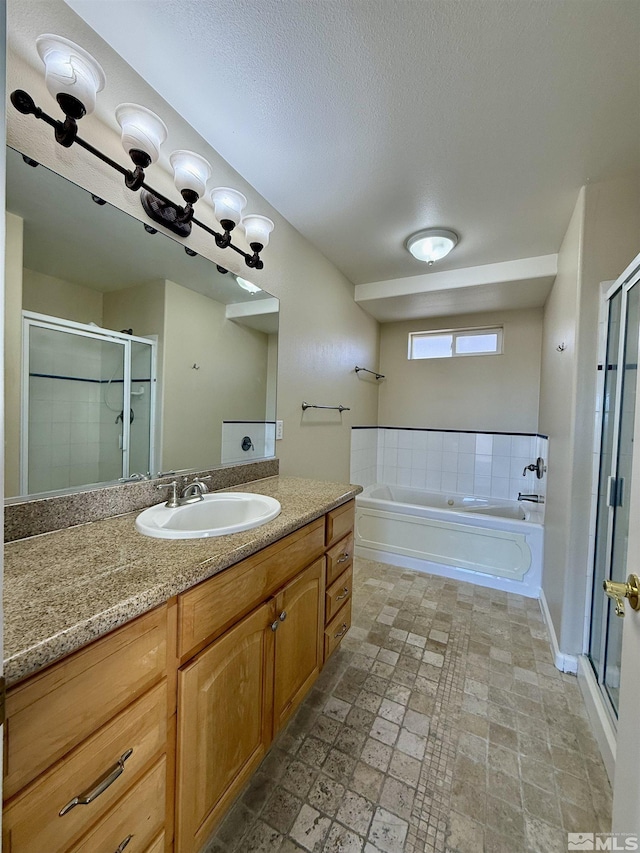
(536,499)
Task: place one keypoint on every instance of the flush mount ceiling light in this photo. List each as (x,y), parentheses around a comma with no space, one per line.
(431,244)
(247,285)
(74,78)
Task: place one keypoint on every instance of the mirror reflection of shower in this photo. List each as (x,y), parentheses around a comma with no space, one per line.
(88,404)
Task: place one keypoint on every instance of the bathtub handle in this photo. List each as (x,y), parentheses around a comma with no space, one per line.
(342,631)
(344,557)
(345,593)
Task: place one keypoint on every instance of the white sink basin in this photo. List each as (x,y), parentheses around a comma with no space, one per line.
(216,514)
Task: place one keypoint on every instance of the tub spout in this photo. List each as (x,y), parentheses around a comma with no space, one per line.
(536,499)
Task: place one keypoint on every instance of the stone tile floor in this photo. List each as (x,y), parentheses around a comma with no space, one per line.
(441,725)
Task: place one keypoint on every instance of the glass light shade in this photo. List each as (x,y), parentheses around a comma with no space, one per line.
(257,229)
(228,204)
(190,171)
(70,70)
(247,285)
(142,130)
(432,244)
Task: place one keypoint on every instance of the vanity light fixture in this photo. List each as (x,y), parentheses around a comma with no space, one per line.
(74,78)
(431,244)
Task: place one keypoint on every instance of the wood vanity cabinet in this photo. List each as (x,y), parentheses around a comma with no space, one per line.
(94,727)
(176,708)
(339,526)
(239,690)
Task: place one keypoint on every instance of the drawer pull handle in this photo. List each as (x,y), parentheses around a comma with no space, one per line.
(283,616)
(274,625)
(344,557)
(98,787)
(124,844)
(343,594)
(342,631)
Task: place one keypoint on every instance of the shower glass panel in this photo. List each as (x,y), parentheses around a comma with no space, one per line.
(609,428)
(78,405)
(616,456)
(140,428)
(618,571)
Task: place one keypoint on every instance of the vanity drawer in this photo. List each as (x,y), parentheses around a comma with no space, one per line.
(336,629)
(339,558)
(32,823)
(337,594)
(157,846)
(139,814)
(208,609)
(54,711)
(340,522)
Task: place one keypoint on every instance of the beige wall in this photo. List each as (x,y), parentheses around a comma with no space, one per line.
(323,333)
(12,352)
(493,392)
(557,408)
(231,381)
(48,295)
(602,239)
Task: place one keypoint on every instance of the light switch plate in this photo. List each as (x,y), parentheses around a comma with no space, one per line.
(279,430)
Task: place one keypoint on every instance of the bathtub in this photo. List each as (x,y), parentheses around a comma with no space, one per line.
(487,541)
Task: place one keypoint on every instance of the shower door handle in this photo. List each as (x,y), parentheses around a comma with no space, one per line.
(615,491)
(619,591)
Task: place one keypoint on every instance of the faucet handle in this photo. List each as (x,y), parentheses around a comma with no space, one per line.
(173,501)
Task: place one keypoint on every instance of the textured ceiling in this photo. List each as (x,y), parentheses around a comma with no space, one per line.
(364,120)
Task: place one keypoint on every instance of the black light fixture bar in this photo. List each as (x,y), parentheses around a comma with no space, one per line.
(66,134)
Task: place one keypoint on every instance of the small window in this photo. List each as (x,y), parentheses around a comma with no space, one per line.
(455,342)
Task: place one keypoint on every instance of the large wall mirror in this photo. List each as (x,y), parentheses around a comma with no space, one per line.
(124,355)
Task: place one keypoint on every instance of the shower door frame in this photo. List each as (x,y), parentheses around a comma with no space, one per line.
(57,324)
(629,279)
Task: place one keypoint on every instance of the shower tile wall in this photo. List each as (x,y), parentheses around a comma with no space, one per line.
(64,419)
(483,464)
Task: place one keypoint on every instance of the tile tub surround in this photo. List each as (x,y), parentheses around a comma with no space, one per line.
(66,588)
(473,463)
(33,516)
(440,726)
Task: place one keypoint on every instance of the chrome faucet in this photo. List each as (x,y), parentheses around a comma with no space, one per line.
(191,493)
(535,499)
(195,490)
(538,466)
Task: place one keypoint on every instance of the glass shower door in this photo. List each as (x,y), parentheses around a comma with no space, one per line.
(616,456)
(66,438)
(88,405)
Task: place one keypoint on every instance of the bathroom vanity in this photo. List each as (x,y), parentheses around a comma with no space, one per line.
(141,737)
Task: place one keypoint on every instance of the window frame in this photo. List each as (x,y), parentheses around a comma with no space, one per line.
(455,334)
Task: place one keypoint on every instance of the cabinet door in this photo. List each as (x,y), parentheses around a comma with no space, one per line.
(298,654)
(224,724)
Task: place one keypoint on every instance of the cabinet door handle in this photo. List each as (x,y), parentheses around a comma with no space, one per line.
(274,625)
(124,844)
(342,631)
(283,616)
(344,557)
(343,594)
(98,787)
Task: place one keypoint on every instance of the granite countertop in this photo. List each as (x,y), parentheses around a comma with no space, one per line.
(64,589)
